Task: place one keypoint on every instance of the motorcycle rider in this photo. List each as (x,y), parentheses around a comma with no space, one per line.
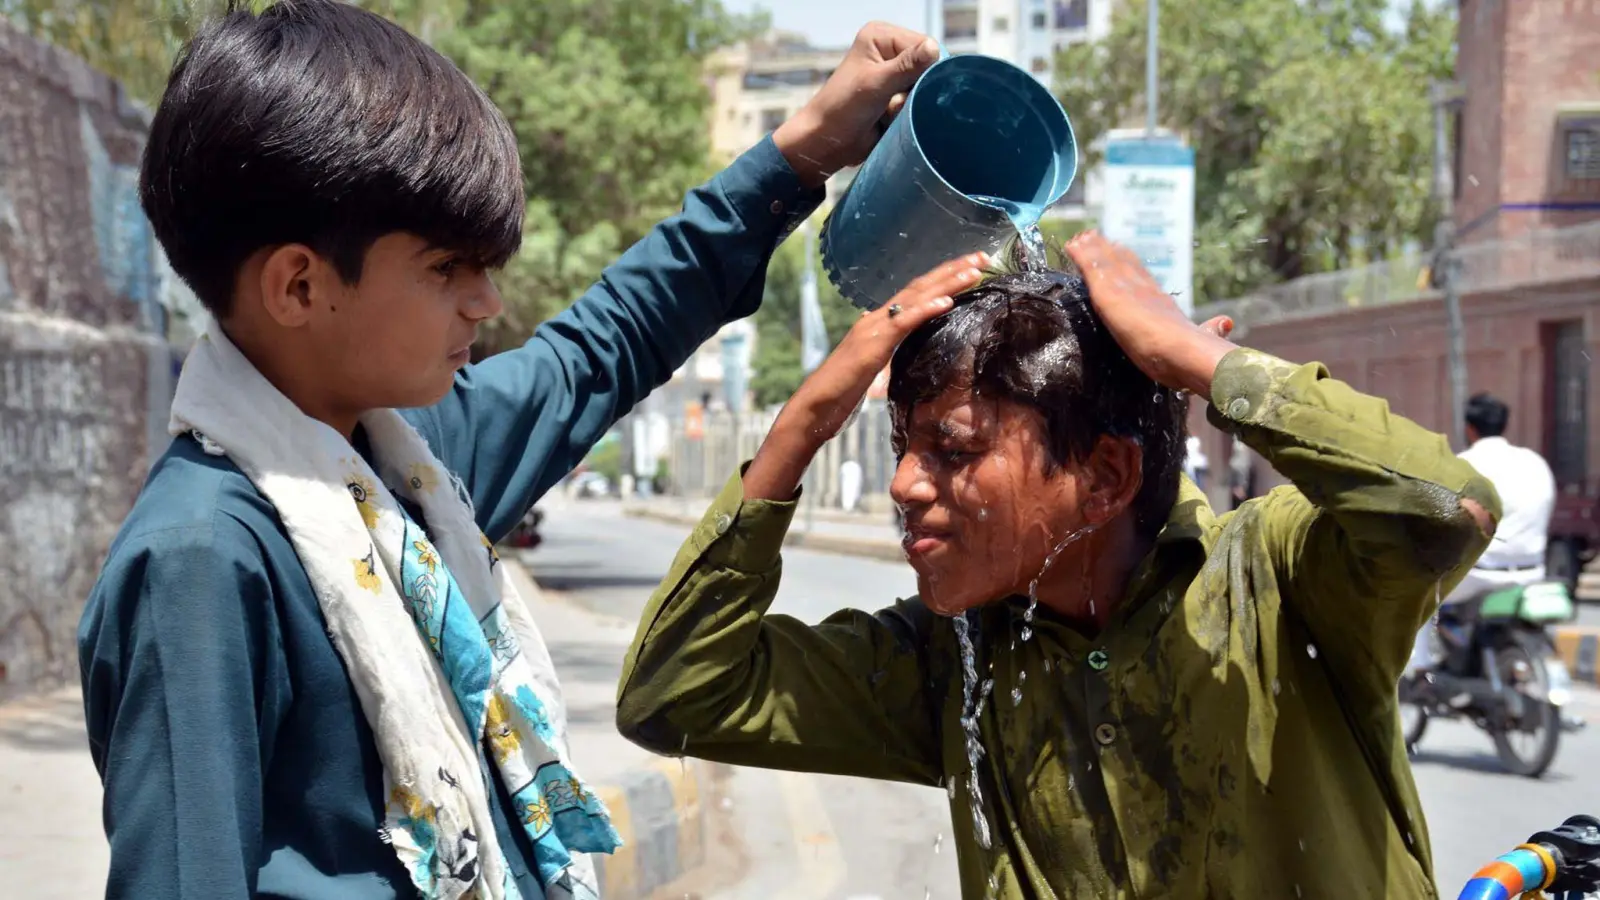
(1527,490)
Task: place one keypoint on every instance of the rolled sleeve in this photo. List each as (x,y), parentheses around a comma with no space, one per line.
(1374,528)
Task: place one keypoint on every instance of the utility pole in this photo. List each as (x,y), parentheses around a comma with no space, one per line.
(1444,96)
(1151,80)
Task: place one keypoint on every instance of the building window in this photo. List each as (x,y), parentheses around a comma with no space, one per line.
(1040,65)
(1072,13)
(1001,23)
(1583,151)
(960,23)
(772,118)
(1041,20)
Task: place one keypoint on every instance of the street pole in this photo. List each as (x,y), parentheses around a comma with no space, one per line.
(807,482)
(1151,81)
(1445,259)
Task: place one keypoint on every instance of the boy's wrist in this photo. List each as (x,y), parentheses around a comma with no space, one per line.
(806,147)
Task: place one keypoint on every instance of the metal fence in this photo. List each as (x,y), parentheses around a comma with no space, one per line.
(1544,255)
(702,463)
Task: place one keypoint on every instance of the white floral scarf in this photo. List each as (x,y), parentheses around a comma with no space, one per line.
(441,649)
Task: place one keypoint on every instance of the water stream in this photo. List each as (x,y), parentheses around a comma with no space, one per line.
(973,697)
(1025,218)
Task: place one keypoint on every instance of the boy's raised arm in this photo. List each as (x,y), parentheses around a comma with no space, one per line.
(516,424)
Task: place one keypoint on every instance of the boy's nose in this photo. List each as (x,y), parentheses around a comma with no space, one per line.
(911,485)
(484,301)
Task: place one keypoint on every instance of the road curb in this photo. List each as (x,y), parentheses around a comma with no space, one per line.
(890,551)
(1579,648)
(661,811)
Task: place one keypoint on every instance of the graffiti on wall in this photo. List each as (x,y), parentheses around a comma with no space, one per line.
(81,282)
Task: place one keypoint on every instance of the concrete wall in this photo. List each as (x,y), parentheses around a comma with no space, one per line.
(84,379)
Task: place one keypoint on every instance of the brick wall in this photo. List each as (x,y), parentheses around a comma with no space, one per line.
(1520,63)
(1400,353)
(84,380)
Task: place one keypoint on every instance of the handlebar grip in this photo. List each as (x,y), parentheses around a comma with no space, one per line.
(1527,868)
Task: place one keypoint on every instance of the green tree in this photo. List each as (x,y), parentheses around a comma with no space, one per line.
(606,98)
(609,107)
(1309,118)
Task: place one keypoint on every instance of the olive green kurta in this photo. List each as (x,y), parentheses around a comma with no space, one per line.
(1231,733)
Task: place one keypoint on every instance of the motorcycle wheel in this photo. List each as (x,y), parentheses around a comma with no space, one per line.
(1413,723)
(1529,750)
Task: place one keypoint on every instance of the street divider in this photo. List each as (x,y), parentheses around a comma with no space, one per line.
(665,810)
(660,811)
(1578,646)
(842,545)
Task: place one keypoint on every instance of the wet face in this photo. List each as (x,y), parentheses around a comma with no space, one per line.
(983,505)
(397,337)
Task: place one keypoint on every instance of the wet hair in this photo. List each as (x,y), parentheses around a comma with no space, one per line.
(320,123)
(1487,415)
(1035,340)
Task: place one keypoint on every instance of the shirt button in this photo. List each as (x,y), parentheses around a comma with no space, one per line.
(1105,734)
(1098,660)
(1239,408)
(777,207)
(724,522)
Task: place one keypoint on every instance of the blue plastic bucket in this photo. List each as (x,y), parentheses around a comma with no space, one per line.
(980,150)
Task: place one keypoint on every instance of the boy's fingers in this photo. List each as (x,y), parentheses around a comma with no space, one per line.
(1221,326)
(947,275)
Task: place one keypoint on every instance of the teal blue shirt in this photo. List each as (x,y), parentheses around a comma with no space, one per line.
(235,756)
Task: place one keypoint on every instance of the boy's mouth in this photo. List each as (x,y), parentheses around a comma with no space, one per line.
(920,540)
(462,357)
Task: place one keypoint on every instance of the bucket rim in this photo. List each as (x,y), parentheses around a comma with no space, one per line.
(1010,70)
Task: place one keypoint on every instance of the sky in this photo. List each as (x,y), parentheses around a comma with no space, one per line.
(834,23)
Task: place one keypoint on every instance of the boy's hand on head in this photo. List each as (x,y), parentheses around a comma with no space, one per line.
(1145,320)
(841,124)
(829,395)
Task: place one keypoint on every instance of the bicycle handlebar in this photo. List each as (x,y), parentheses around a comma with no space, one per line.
(1564,861)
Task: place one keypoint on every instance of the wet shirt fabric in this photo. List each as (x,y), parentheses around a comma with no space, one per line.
(1231,733)
(236,759)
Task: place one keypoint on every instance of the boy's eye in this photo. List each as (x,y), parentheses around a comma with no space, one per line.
(448,267)
(956,455)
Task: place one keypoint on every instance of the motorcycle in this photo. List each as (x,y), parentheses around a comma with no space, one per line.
(1500,671)
(526,533)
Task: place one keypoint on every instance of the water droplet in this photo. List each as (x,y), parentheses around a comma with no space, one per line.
(983,514)
(938,839)
(1276,687)
(1297,891)
(1311,650)
(1047,667)
(1016,696)
(1302,845)
(1155,398)
(1027,633)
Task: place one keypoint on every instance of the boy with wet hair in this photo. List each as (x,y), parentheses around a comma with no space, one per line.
(1124,693)
(305,674)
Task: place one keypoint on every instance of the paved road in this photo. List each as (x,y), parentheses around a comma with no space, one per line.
(860,840)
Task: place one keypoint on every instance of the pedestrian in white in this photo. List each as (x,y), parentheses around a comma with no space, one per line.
(1527,490)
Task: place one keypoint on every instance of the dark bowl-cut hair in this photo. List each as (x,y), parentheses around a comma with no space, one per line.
(1487,414)
(320,123)
(1034,339)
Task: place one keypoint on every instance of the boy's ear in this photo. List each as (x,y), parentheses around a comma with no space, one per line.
(1115,472)
(293,280)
